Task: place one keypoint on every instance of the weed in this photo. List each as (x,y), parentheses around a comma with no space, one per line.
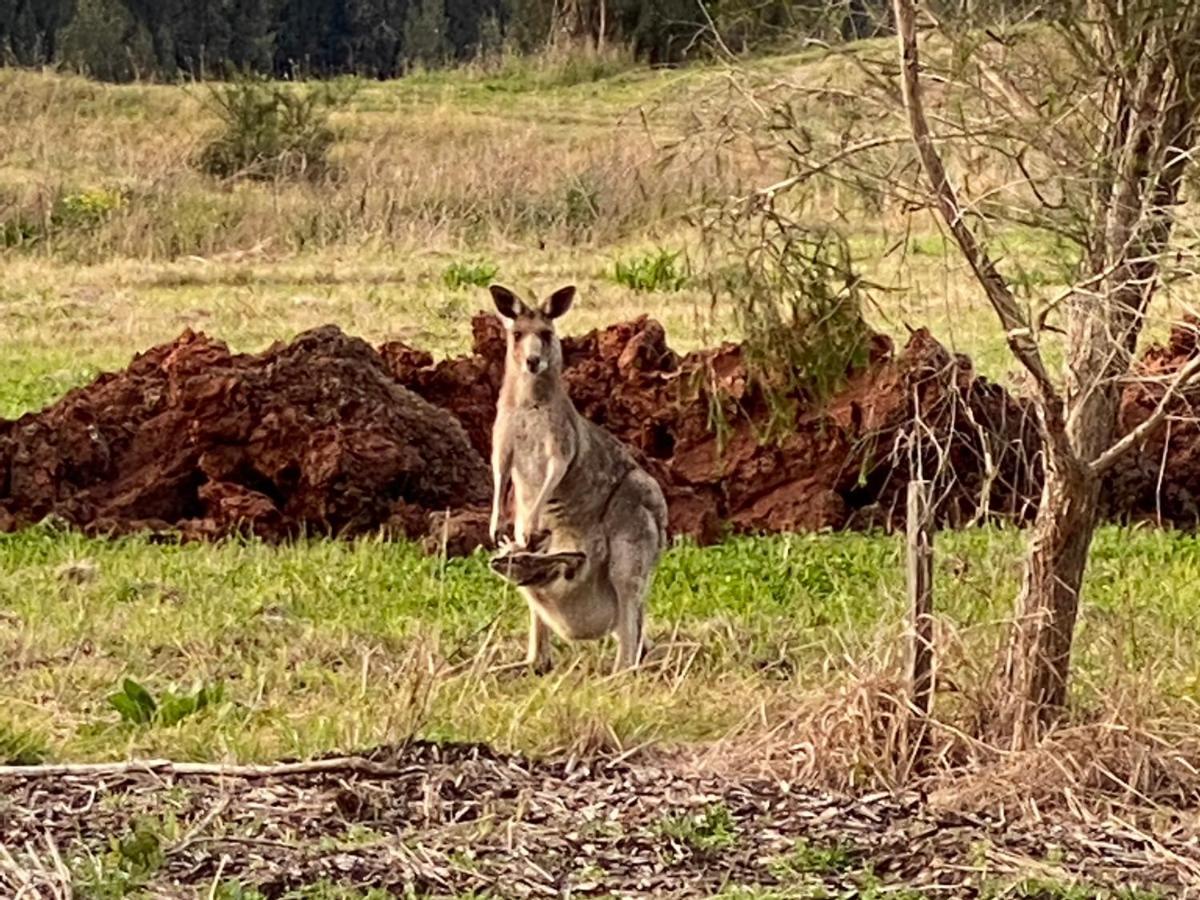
(269,131)
(328,890)
(872,889)
(807,858)
(792,892)
(657,271)
(137,706)
(129,862)
(708,832)
(235,890)
(458,275)
(71,212)
(20,233)
(1042,888)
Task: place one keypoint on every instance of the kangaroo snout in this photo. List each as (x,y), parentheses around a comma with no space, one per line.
(533,364)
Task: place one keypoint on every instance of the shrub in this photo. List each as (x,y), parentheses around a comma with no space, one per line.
(469,274)
(658,271)
(269,131)
(581,206)
(87,208)
(798,303)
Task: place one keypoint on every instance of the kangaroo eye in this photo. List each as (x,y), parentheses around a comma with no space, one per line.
(545,335)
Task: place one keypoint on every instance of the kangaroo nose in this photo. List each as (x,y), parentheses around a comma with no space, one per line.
(532,363)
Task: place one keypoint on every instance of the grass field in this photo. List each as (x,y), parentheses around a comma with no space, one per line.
(436,173)
(251,652)
(329,646)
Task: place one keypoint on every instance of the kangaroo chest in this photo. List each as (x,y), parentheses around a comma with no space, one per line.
(537,440)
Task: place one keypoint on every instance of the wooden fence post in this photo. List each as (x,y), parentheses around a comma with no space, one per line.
(920,595)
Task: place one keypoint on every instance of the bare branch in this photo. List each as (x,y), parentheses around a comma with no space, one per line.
(771,191)
(1018,333)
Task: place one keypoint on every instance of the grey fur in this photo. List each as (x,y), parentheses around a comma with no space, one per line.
(574,480)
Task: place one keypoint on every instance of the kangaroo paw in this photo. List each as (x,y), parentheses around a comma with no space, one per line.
(527,569)
(538,541)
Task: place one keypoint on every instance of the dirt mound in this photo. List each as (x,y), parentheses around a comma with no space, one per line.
(1159,479)
(697,423)
(314,436)
(329,435)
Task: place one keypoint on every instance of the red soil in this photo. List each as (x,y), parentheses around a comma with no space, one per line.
(327,435)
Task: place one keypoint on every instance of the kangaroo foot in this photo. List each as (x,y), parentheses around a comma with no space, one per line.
(531,569)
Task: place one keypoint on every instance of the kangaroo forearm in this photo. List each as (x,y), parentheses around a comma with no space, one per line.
(501,478)
(554,476)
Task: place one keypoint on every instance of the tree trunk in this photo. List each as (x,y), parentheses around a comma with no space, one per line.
(1151,136)
(1040,654)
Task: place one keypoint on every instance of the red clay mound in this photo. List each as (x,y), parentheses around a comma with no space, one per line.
(328,435)
(313,436)
(841,463)
(1159,480)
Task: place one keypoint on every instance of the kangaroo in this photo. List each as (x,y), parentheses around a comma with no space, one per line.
(589,524)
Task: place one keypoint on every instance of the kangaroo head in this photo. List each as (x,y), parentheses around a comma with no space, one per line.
(533,345)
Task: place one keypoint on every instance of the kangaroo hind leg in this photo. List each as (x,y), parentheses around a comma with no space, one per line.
(537,656)
(633,552)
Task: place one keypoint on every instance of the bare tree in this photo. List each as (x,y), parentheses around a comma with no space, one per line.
(1073,122)
(1147,56)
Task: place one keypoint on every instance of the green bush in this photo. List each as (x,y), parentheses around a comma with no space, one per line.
(84,209)
(658,271)
(270,131)
(469,274)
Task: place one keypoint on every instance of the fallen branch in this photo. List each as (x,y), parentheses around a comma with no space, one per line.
(207,770)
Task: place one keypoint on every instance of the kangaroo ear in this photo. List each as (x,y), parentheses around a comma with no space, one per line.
(559,302)
(507,303)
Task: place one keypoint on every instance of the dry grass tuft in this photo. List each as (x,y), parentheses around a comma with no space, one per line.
(1121,758)
(1121,765)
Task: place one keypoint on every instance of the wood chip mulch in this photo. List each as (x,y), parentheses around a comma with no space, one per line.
(446,820)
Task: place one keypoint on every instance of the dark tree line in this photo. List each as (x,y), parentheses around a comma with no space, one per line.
(123,39)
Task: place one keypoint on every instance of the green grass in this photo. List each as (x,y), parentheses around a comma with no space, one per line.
(323,646)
